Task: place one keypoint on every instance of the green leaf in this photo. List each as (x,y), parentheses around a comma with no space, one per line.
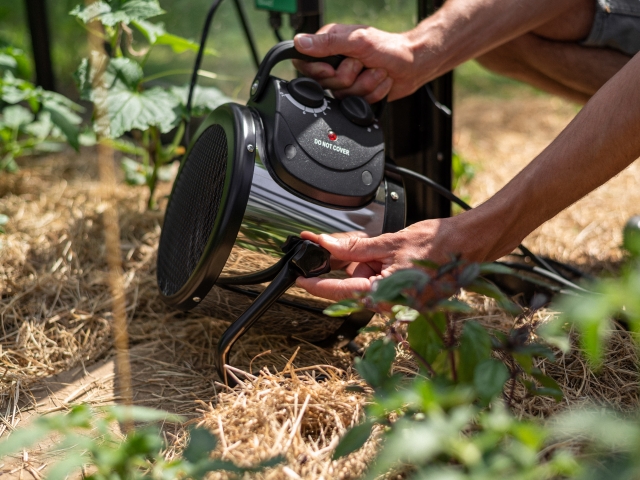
(489,378)
(23,438)
(475,348)
(454,306)
(151,31)
(16,116)
(201,443)
(402,313)
(374,367)
(129,111)
(488,289)
(126,12)
(631,236)
(64,468)
(123,413)
(536,350)
(84,79)
(468,274)
(134,173)
(393,288)
(424,338)
(205,99)
(16,61)
(428,264)
(65,120)
(343,308)
(549,386)
(124,71)
(353,440)
(495,268)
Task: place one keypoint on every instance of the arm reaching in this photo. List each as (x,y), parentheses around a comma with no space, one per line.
(601,141)
(399,63)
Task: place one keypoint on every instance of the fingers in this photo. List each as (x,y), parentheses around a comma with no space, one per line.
(367,84)
(333,40)
(332,288)
(355,249)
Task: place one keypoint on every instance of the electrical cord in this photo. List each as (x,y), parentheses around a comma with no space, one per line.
(203,40)
(247,32)
(198,63)
(543,266)
(440,106)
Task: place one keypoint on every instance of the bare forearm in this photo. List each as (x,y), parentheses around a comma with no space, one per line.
(601,141)
(463,29)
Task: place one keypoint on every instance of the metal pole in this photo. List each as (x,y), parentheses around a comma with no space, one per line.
(419,137)
(40,43)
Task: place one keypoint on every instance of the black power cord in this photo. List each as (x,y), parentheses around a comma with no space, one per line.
(203,40)
(544,267)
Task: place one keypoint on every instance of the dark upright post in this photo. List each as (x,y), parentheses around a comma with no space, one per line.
(39,27)
(309,18)
(419,137)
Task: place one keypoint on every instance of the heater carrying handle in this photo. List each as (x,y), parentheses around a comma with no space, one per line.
(308,260)
(280,52)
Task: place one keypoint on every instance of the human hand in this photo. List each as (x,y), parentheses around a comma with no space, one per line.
(369,259)
(387,57)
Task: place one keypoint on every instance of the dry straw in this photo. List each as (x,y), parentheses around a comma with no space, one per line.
(57,318)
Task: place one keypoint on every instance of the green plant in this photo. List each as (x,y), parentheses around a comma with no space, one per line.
(134,106)
(88,436)
(438,423)
(32,120)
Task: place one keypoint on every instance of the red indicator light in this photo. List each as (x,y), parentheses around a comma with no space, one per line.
(332,136)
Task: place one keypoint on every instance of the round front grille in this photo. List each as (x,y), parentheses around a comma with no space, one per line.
(192,210)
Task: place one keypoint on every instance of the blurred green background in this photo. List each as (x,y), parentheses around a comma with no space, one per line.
(233,59)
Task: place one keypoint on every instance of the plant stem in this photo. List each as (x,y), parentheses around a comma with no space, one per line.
(155,152)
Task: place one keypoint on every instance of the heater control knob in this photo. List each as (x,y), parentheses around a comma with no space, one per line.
(307,91)
(358,111)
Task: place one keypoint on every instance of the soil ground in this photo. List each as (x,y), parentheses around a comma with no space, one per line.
(56,346)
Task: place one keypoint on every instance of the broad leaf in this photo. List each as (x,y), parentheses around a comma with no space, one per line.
(141,414)
(16,116)
(343,308)
(128,110)
(489,378)
(353,440)
(65,119)
(201,443)
(205,99)
(424,338)
(549,386)
(110,14)
(468,274)
(64,468)
(124,71)
(393,288)
(475,348)
(374,367)
(23,438)
(156,34)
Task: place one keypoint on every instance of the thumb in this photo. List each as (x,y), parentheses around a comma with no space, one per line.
(335,41)
(354,248)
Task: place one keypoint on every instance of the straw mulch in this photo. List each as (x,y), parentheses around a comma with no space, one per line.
(55,318)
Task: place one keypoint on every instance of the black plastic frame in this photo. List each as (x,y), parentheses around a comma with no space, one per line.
(239,127)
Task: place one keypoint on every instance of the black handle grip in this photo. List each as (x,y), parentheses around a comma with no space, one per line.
(280,52)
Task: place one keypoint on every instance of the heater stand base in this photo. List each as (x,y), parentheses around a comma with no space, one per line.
(304,258)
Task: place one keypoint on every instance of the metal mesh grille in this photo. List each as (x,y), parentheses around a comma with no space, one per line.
(192,211)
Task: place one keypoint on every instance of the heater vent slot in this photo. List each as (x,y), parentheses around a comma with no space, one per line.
(192,211)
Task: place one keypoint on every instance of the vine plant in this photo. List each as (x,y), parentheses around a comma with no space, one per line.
(139,113)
